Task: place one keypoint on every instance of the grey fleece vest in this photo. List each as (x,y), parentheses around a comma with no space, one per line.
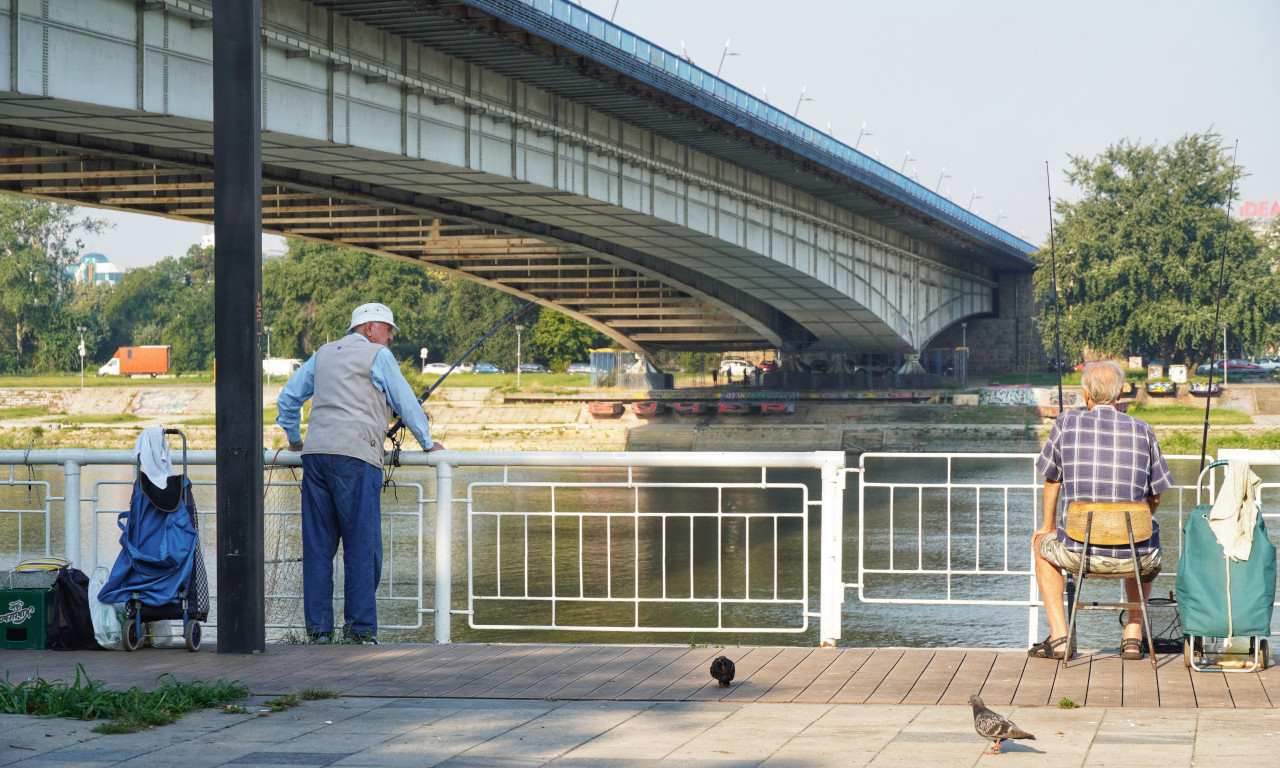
(349,414)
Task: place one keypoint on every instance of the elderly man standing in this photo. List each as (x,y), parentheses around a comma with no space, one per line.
(1098,454)
(357,386)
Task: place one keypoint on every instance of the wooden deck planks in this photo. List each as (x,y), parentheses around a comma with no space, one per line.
(1104,686)
(972,672)
(1035,686)
(666,673)
(804,675)
(868,678)
(1174,681)
(1003,681)
(895,686)
(936,678)
(837,674)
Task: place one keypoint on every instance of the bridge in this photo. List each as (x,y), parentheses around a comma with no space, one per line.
(525,144)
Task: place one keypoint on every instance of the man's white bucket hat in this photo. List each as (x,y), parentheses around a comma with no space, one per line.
(369,312)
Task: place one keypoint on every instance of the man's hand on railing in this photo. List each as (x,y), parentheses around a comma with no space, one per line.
(295,447)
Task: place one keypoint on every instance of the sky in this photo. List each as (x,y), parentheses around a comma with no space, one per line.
(970,98)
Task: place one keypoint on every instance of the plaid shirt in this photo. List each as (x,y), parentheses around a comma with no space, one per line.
(1104,455)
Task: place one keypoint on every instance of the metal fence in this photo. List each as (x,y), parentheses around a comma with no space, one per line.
(627,542)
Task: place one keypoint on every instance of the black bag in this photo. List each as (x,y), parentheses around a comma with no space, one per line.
(1166,622)
(72,628)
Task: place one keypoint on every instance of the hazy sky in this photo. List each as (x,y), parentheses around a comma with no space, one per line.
(981,93)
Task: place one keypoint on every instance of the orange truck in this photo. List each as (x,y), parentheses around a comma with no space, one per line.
(137,361)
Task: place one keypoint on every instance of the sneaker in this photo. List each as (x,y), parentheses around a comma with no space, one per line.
(354,638)
(320,638)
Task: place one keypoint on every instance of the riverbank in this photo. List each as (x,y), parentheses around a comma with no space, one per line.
(482,418)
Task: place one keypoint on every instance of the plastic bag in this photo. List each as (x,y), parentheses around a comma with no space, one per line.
(108,619)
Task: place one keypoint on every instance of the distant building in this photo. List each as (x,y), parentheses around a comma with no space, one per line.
(96,268)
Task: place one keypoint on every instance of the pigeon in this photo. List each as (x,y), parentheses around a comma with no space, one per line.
(993,726)
(722,670)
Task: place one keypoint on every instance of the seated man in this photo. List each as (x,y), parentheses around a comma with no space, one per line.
(1098,454)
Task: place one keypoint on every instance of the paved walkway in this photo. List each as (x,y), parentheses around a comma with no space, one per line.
(634,706)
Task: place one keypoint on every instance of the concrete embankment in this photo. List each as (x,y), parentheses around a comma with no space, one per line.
(480,419)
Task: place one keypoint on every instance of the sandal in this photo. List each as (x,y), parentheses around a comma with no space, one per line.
(1131,649)
(1050,648)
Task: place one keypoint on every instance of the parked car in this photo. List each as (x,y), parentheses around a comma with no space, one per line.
(1056,365)
(1236,365)
(736,366)
(1268,365)
(533,368)
(581,368)
(769,366)
(435,368)
(1203,369)
(486,368)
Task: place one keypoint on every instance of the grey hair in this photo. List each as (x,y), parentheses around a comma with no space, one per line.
(1102,381)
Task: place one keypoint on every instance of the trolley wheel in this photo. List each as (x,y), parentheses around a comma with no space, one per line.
(191,633)
(1264,654)
(1186,651)
(130,636)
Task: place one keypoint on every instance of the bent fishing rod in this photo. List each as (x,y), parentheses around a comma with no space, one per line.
(1217,306)
(1057,321)
(399,425)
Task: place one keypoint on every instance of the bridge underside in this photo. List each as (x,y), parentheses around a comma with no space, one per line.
(641,309)
(428,132)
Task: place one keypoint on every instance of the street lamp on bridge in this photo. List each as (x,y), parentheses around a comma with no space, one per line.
(864,132)
(941,176)
(723,54)
(907,158)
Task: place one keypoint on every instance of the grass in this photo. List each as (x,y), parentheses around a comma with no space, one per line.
(1188,443)
(66,380)
(94,418)
(1177,415)
(990,414)
(24,412)
(129,711)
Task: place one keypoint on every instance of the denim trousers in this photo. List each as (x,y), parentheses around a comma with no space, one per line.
(341,500)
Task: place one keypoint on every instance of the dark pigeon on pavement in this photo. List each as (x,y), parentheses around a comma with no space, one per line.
(993,726)
(722,670)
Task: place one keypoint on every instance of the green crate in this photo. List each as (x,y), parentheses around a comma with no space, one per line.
(26,615)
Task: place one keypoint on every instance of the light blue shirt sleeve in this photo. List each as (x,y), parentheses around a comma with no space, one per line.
(400,396)
(296,391)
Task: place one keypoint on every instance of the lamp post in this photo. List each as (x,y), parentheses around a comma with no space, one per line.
(862,132)
(519,329)
(801,100)
(267,329)
(905,159)
(81,329)
(941,176)
(723,54)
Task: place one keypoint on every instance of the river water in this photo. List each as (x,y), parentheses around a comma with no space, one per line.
(704,533)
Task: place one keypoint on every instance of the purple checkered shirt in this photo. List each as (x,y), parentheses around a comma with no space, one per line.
(1104,455)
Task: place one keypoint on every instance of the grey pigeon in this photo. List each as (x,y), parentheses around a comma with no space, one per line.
(722,670)
(993,726)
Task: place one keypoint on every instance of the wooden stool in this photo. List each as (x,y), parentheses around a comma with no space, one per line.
(1110,524)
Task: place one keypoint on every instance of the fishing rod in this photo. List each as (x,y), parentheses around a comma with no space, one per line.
(399,425)
(1057,321)
(1217,306)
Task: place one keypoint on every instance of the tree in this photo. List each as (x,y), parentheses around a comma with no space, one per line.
(561,340)
(1138,256)
(50,228)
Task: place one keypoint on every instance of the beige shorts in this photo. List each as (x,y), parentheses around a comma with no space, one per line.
(1055,552)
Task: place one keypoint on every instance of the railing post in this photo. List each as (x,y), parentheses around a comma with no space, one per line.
(71,512)
(444,551)
(831,574)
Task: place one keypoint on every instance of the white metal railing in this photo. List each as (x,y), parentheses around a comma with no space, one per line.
(611,562)
(737,576)
(604,549)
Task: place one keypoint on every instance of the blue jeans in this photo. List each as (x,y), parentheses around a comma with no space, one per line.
(341,499)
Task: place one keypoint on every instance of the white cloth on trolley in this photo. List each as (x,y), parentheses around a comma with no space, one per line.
(1235,511)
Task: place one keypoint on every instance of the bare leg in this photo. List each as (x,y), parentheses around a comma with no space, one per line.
(1052,585)
(1134,626)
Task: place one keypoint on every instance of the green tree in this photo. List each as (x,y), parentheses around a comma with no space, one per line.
(1138,256)
(560,340)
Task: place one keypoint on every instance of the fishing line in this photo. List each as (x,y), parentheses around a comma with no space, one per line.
(394,432)
(1057,321)
(1217,305)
